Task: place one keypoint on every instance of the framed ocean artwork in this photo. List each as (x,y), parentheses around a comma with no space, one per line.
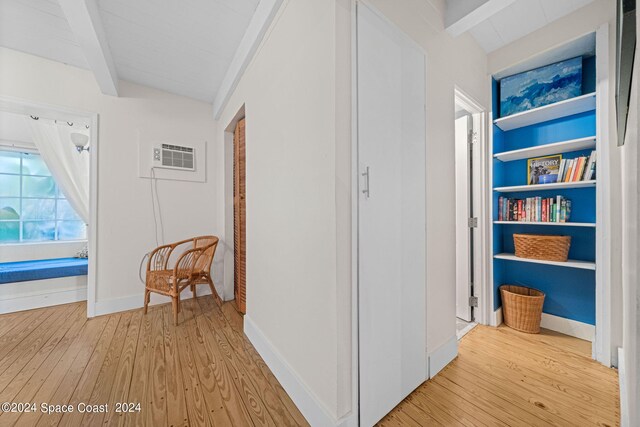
(541,86)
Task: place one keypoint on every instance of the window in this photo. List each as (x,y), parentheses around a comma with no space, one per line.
(32,208)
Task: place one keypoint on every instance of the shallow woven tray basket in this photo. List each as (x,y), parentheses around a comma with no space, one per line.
(540,246)
(522,308)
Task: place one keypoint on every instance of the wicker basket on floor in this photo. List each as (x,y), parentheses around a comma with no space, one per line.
(522,308)
(544,247)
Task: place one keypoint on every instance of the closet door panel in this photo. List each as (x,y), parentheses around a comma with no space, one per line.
(391,236)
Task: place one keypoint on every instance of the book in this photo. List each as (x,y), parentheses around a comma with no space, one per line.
(567,174)
(582,162)
(589,172)
(534,209)
(543,170)
(563,164)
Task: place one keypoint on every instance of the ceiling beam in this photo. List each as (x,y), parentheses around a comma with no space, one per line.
(463,15)
(260,22)
(84,19)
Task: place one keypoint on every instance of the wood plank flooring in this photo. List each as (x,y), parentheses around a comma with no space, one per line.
(502,377)
(203,372)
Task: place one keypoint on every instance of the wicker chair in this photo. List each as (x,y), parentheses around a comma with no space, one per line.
(191,268)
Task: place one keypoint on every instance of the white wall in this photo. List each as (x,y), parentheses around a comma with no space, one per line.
(125,224)
(297,97)
(585,20)
(288,92)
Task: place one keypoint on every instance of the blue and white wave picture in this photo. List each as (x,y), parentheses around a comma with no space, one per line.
(542,86)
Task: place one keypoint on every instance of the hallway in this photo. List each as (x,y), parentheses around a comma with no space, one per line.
(502,377)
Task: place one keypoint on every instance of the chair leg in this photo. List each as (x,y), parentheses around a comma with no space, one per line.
(174,303)
(213,291)
(147,297)
(193,290)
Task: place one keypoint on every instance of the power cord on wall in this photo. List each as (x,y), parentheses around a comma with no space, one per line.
(154,189)
(157,219)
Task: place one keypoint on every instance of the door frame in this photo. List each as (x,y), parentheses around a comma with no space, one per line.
(482,251)
(229,259)
(23,106)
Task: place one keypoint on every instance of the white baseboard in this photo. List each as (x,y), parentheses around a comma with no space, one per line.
(569,327)
(132,302)
(47,299)
(624,403)
(496,318)
(311,407)
(442,356)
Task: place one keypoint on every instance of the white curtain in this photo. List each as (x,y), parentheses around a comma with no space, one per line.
(69,168)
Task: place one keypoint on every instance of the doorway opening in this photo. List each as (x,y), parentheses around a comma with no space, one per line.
(235,262)
(47,206)
(469,137)
(239,217)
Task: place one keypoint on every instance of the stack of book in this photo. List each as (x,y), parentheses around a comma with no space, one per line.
(534,209)
(579,169)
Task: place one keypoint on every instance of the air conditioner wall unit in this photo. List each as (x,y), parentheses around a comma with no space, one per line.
(178,157)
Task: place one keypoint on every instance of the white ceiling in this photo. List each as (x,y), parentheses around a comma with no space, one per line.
(519,19)
(182,47)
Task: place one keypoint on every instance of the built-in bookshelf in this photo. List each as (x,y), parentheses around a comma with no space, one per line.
(572,263)
(566,128)
(561,109)
(545,187)
(561,224)
(548,149)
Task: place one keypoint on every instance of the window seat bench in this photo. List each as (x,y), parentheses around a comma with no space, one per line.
(23,271)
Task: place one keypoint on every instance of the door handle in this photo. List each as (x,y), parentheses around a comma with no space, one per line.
(365,190)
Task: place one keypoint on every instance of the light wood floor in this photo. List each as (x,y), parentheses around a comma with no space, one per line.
(202,372)
(205,372)
(502,377)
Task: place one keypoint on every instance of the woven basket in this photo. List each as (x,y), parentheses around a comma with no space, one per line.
(538,246)
(522,308)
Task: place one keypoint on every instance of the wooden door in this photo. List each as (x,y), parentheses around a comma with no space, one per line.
(239,217)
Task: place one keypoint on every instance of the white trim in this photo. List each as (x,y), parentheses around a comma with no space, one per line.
(22,106)
(355,331)
(482,256)
(133,302)
(257,28)
(466,330)
(85,22)
(311,407)
(30,302)
(625,415)
(442,356)
(496,317)
(458,25)
(602,350)
(570,327)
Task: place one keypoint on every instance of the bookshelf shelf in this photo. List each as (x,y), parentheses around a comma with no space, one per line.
(548,149)
(565,224)
(557,110)
(541,187)
(572,263)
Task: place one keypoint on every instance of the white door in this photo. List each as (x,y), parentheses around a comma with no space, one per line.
(463,213)
(467,207)
(391,212)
